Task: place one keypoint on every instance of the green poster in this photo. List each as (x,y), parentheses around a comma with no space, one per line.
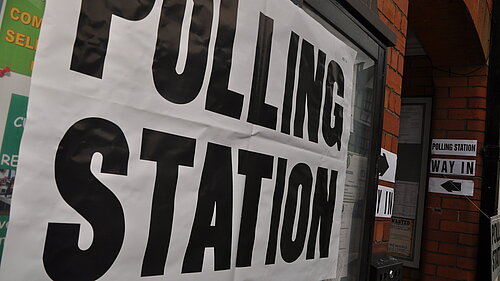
(4,221)
(13,132)
(19,34)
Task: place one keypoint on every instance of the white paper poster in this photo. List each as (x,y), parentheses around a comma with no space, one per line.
(401,238)
(385,202)
(387,166)
(182,140)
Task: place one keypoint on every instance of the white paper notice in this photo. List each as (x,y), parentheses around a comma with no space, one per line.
(355,178)
(182,141)
(406,199)
(451,186)
(401,238)
(411,124)
(385,202)
(454,147)
(388,164)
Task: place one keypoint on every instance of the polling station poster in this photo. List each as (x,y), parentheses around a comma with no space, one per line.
(182,140)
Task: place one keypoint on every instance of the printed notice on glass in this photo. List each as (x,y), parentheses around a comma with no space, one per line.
(401,237)
(406,199)
(411,124)
(355,178)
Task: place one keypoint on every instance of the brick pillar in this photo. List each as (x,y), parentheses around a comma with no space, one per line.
(451,223)
(395,14)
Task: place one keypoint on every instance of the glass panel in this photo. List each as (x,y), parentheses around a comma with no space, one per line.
(411,181)
(371,4)
(360,146)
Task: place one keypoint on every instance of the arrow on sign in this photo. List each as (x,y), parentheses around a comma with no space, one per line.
(383,164)
(451,186)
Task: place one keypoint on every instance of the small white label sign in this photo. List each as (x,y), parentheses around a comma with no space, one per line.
(453,167)
(385,202)
(387,166)
(454,147)
(451,186)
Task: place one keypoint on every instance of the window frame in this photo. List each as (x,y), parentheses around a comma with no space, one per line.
(374,44)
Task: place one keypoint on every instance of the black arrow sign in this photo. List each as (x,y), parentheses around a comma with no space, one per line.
(383,165)
(451,186)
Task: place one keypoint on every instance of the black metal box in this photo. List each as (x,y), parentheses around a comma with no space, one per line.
(386,268)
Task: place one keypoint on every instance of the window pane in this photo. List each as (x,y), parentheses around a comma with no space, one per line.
(372,4)
(360,146)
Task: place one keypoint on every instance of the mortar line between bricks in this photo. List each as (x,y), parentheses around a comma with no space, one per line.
(397,7)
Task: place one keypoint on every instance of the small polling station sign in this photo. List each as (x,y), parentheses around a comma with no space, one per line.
(454,147)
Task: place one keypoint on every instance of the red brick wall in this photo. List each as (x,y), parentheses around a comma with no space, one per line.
(451,223)
(395,14)
(451,229)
